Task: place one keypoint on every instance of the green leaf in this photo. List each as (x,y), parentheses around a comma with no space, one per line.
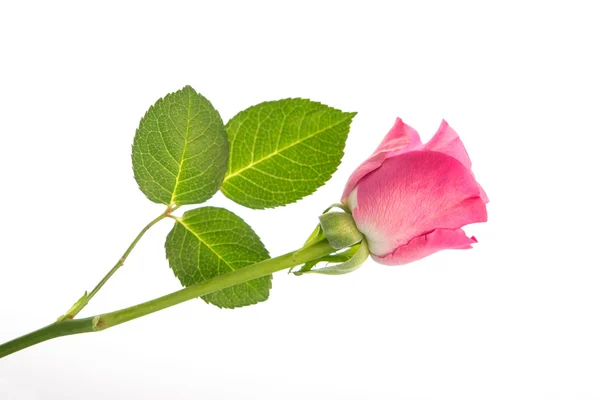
(180,149)
(210,241)
(281,151)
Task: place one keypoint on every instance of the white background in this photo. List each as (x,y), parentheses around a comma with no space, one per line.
(516,317)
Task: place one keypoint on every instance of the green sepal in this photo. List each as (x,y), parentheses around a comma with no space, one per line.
(352,259)
(337,205)
(316,236)
(332,258)
(340,230)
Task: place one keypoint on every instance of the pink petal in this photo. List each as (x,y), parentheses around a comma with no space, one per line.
(427,244)
(400,138)
(446,141)
(414,193)
(483,194)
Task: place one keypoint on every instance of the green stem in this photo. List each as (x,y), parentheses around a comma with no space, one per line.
(57,329)
(108,320)
(85,299)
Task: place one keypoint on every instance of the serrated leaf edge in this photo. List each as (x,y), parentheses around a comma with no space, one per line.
(180,220)
(252,164)
(349,117)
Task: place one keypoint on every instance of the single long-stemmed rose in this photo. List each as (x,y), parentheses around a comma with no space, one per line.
(408,200)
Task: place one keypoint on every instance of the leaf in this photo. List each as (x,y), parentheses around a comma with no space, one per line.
(210,241)
(281,151)
(180,149)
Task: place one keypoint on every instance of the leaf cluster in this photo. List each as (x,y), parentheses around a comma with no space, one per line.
(269,155)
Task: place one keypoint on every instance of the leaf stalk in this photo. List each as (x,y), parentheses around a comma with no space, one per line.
(85,299)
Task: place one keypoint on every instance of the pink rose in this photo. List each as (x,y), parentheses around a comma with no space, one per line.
(411,200)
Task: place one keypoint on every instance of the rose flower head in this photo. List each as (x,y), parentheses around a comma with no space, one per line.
(411,199)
